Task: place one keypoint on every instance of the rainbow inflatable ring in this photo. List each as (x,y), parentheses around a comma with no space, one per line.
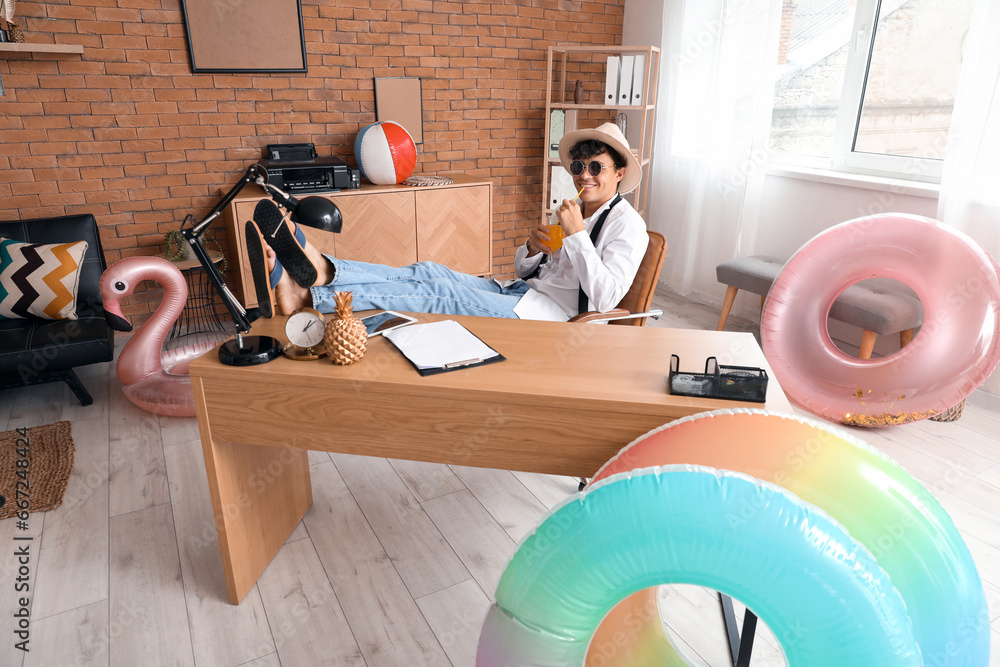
(847,558)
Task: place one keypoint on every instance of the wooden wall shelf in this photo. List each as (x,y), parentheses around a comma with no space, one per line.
(22,47)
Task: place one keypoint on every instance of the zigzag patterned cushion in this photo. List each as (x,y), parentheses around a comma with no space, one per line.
(39,280)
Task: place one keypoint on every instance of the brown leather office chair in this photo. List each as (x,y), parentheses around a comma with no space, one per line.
(640,295)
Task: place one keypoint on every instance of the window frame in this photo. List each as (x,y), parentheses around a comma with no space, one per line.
(843,157)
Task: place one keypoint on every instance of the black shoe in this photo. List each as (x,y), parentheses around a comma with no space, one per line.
(287,241)
(258,270)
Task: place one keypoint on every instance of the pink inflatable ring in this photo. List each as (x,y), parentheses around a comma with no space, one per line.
(954,352)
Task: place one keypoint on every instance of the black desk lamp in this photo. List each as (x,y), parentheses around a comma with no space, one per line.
(317,212)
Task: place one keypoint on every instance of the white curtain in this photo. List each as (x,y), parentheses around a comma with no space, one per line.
(713,120)
(970,181)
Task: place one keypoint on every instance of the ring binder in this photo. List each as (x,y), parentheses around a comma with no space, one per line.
(638,80)
(611,82)
(625,80)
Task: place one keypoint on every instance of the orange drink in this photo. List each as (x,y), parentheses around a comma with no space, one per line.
(555,230)
(556,235)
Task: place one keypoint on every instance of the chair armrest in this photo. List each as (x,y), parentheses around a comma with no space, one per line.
(594,315)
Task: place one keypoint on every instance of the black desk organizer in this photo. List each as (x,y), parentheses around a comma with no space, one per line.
(734,383)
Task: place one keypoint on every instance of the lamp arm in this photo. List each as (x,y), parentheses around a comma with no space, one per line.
(236,310)
(283,199)
(252,174)
(241,317)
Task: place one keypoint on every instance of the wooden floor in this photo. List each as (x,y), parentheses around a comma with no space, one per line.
(394,565)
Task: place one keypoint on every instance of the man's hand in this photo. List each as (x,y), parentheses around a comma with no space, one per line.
(537,238)
(570,217)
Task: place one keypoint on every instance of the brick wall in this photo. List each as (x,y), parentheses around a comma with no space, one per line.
(785,36)
(128,133)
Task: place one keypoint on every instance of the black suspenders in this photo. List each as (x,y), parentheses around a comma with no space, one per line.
(582,302)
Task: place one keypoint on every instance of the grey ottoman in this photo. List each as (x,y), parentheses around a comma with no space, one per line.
(877,306)
(753,274)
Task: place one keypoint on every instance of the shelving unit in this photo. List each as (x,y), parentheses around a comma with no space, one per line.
(588,64)
(23,47)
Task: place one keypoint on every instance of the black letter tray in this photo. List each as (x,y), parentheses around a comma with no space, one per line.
(734,383)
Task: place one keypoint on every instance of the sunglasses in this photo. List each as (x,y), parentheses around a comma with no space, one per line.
(594,168)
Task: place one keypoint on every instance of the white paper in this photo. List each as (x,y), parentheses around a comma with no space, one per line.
(438,344)
(560,186)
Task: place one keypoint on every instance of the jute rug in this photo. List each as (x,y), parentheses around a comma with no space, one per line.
(48,451)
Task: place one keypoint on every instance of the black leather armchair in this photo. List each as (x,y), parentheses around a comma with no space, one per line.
(34,351)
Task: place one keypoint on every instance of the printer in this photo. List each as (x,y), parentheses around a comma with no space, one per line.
(296,168)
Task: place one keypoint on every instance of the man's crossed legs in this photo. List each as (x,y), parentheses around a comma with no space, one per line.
(424,287)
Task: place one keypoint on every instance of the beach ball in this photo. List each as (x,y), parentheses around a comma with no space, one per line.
(385,153)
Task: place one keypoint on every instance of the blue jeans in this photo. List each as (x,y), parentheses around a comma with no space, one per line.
(419,288)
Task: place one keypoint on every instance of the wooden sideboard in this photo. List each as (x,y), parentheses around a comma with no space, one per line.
(388,224)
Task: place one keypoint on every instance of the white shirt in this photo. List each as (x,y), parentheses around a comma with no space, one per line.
(605,272)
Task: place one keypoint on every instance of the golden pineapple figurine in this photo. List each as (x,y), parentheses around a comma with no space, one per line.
(345,338)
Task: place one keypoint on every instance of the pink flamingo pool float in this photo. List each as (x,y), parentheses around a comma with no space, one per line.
(154,379)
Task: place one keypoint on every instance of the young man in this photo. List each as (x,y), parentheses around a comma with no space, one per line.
(551,285)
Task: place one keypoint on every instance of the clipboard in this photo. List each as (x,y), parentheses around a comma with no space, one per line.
(441,347)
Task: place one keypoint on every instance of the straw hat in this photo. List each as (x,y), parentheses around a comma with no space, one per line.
(612,136)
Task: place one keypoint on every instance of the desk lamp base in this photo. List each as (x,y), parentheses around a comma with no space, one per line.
(249,350)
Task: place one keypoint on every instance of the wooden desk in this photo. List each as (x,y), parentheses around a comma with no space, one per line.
(567,398)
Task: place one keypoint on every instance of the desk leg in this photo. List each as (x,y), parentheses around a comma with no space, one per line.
(259,495)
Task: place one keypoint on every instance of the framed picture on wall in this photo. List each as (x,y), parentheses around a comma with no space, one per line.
(399,99)
(245,35)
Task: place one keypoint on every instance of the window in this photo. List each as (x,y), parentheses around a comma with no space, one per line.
(867,86)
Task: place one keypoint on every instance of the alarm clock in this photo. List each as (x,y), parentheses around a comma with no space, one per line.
(304,329)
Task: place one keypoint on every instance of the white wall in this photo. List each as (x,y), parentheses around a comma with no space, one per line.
(642,24)
(794,210)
